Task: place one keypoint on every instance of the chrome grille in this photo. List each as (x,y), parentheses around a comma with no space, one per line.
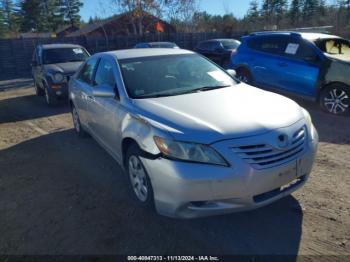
(264,155)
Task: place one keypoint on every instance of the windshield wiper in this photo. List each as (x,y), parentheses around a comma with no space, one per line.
(205,88)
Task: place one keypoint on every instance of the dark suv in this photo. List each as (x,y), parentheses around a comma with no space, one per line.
(312,65)
(218,50)
(52,65)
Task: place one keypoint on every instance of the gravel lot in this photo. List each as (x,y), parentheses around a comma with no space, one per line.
(60,194)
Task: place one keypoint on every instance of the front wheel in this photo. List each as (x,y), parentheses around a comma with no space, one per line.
(244,75)
(38,90)
(139,179)
(335,99)
(50,98)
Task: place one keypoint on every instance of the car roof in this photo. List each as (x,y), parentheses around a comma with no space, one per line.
(306,35)
(155,43)
(219,39)
(56,46)
(146,52)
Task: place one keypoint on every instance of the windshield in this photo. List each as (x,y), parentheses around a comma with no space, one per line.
(163,45)
(64,55)
(230,44)
(334,46)
(171,75)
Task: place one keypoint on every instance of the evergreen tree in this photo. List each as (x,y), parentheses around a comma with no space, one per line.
(7,8)
(30,10)
(309,11)
(3,29)
(253,11)
(294,12)
(70,10)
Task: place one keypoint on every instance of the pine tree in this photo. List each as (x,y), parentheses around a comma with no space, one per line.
(294,12)
(3,29)
(309,11)
(30,10)
(253,11)
(70,10)
(7,8)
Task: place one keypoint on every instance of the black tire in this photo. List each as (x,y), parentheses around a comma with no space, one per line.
(225,63)
(335,99)
(244,75)
(38,91)
(134,152)
(77,124)
(50,97)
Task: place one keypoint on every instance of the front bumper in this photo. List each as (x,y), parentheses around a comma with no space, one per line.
(59,90)
(188,190)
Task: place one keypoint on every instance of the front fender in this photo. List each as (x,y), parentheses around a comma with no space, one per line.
(142,131)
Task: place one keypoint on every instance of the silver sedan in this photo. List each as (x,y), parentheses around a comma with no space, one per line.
(193,140)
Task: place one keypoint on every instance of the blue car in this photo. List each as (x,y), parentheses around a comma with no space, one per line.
(314,66)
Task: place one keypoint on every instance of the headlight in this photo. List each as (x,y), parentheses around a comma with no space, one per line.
(189,151)
(58,77)
(307,118)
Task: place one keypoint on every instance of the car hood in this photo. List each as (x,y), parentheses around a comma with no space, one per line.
(207,117)
(64,68)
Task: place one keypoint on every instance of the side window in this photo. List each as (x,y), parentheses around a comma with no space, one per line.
(104,73)
(274,44)
(306,51)
(86,73)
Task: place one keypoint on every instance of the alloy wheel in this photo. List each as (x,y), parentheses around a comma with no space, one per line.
(76,121)
(336,101)
(138,178)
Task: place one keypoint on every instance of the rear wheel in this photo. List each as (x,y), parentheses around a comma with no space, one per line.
(244,75)
(335,99)
(77,124)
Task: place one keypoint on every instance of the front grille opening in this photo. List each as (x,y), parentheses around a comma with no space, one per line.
(273,193)
(264,155)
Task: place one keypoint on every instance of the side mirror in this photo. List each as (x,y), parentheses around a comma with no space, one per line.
(103,90)
(232,73)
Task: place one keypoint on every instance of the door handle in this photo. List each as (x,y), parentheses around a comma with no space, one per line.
(90,98)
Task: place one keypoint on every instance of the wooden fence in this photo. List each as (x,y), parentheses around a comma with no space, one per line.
(16,54)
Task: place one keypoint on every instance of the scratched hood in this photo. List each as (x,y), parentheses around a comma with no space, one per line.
(233,112)
(64,68)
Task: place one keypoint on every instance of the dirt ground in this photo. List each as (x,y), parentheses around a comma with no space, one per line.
(60,194)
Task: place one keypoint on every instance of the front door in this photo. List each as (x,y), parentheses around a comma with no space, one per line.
(104,112)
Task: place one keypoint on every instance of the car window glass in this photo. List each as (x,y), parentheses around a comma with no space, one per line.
(335,47)
(104,73)
(64,55)
(269,44)
(171,75)
(87,71)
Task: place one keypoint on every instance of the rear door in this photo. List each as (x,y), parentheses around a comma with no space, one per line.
(81,87)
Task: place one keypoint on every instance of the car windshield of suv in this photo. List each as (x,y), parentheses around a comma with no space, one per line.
(336,47)
(230,44)
(171,75)
(64,55)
